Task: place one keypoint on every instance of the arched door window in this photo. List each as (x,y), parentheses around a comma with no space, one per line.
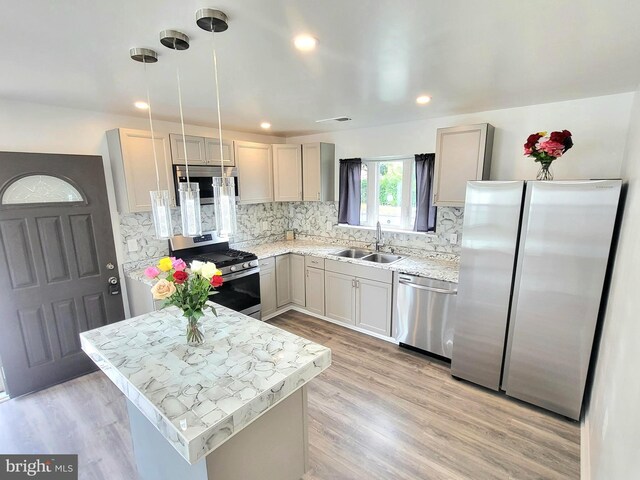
(40,189)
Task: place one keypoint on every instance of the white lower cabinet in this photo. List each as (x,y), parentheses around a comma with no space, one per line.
(351,294)
(358,295)
(283,280)
(314,284)
(297,276)
(268,286)
(340,297)
(373,306)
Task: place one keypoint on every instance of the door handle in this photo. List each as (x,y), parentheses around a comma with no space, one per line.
(445,291)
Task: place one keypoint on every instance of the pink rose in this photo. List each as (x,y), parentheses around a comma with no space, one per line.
(178,264)
(551,148)
(152,272)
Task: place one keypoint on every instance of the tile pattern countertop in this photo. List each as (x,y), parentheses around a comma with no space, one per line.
(198,397)
(438,266)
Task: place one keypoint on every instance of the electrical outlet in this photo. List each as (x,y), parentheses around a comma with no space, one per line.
(132,245)
(453,238)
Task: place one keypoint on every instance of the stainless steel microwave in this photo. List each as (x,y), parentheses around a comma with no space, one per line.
(203,176)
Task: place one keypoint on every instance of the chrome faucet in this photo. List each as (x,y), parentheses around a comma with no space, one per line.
(379,242)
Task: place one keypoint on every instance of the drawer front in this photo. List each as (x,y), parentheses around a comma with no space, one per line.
(361,271)
(314,262)
(267,263)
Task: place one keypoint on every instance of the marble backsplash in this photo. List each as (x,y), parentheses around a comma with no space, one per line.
(265,221)
(312,220)
(319,220)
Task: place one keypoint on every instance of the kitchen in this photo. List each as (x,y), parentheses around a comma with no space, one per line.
(348,269)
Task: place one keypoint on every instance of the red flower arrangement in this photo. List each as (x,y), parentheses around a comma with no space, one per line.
(545,149)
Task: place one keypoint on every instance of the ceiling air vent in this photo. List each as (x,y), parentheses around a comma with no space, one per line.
(334,119)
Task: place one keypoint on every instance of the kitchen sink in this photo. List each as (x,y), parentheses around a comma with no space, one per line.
(382,258)
(352,253)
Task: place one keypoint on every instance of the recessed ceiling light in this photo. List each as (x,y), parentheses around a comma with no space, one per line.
(265,125)
(423,99)
(141,105)
(305,43)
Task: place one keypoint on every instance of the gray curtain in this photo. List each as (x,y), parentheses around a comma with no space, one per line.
(349,199)
(425,211)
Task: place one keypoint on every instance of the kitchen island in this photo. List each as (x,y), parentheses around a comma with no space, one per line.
(232,408)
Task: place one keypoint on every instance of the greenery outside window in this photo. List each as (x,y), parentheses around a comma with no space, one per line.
(388,192)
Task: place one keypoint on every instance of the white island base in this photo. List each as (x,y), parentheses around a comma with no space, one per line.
(272,447)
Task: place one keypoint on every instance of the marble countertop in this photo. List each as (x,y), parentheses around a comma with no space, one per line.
(198,397)
(438,266)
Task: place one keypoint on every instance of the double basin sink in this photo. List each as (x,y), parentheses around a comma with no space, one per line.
(367,255)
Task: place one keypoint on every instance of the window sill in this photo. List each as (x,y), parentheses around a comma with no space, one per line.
(390,230)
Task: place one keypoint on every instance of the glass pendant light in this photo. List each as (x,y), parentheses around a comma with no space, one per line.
(188,192)
(160,199)
(224,191)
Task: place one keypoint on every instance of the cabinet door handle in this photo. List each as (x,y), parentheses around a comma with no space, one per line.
(353,283)
(357,283)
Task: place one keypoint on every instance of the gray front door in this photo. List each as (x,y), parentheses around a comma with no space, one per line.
(56,243)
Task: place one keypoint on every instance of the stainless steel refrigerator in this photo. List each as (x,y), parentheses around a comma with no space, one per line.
(532,270)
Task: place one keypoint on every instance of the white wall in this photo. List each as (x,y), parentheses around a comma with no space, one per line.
(599,126)
(611,433)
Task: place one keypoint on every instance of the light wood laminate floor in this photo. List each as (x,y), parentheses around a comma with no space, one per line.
(379,412)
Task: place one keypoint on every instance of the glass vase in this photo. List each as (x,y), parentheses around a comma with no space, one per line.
(545,172)
(195,336)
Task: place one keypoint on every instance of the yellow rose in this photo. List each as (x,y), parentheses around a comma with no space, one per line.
(542,134)
(165,264)
(208,270)
(163,289)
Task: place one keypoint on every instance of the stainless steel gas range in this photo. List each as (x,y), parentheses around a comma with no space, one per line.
(240,271)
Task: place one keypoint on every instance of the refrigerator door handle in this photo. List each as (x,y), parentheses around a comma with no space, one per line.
(430,289)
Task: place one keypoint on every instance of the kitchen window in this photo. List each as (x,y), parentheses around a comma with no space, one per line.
(388,192)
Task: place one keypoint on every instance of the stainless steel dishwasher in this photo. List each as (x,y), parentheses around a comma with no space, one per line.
(424,313)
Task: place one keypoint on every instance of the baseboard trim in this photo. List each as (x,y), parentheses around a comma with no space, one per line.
(300,309)
(585,460)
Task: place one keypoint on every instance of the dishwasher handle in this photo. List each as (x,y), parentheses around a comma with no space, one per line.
(446,291)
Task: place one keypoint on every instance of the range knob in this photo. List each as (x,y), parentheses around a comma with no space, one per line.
(233,268)
(245,265)
(253,263)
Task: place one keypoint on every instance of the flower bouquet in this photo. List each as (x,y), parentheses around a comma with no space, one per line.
(545,149)
(188,290)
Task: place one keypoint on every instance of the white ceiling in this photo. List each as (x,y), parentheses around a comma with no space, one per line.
(374,57)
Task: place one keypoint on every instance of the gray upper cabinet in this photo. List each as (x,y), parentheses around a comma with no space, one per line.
(131,155)
(200,150)
(318,172)
(287,173)
(195,149)
(462,154)
(212,152)
(255,172)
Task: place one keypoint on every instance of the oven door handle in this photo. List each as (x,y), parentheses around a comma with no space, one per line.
(245,273)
